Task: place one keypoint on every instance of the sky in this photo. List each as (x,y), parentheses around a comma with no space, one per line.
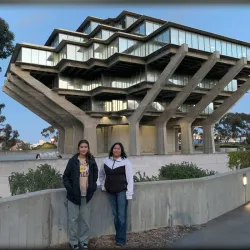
(34,24)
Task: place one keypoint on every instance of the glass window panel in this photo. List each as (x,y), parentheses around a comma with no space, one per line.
(224,48)
(239,51)
(49,60)
(79,53)
(248,54)
(229,49)
(70,38)
(142,29)
(234,50)
(71,52)
(42,57)
(78,39)
(174,36)
(62,37)
(123,44)
(99,34)
(165,36)
(218,46)
(207,44)
(26,55)
(34,56)
(93,25)
(212,45)
(129,21)
(189,39)
(234,85)
(100,51)
(195,41)
(149,28)
(244,51)
(181,37)
(201,42)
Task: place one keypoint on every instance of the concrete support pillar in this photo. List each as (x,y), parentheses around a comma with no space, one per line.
(176,132)
(69,147)
(215,91)
(61,140)
(182,95)
(161,138)
(170,139)
(186,138)
(208,139)
(134,139)
(150,97)
(90,135)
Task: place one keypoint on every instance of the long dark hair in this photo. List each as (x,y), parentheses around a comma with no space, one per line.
(88,155)
(123,154)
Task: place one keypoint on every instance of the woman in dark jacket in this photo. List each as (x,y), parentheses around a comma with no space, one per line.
(79,178)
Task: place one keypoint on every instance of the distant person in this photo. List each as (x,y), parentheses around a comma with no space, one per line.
(116,177)
(79,178)
(38,156)
(59,157)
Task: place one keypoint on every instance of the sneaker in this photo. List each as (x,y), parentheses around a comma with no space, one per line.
(120,244)
(84,246)
(75,247)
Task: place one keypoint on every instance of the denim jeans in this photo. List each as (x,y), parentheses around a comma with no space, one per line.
(119,206)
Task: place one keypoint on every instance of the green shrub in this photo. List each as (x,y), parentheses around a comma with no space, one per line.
(173,171)
(44,177)
(239,159)
(138,177)
(183,170)
(46,145)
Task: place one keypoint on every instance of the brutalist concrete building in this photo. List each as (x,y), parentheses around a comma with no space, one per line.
(134,79)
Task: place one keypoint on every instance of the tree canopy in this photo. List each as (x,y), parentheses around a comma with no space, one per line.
(8,136)
(6,40)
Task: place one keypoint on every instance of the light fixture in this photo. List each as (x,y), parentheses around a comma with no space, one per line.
(244,180)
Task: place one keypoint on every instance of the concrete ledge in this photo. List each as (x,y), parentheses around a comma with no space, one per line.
(150,164)
(40,220)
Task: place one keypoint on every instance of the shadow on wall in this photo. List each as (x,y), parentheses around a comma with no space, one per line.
(40,219)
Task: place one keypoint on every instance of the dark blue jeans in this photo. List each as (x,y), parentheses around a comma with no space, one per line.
(119,206)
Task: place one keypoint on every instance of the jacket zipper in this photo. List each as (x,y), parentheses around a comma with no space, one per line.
(113,164)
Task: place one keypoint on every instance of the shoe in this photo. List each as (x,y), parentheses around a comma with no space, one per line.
(120,244)
(84,246)
(75,247)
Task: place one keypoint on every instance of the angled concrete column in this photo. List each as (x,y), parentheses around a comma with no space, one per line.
(215,91)
(134,139)
(181,97)
(161,138)
(90,135)
(41,103)
(150,97)
(61,140)
(208,139)
(61,102)
(39,113)
(186,137)
(208,124)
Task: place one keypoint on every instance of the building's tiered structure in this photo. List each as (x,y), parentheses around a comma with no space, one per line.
(135,79)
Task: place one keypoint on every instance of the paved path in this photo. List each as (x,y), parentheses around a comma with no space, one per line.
(230,230)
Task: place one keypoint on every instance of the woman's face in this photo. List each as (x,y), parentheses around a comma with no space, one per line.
(117,151)
(83,149)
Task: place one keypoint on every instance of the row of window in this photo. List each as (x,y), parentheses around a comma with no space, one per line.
(205,43)
(59,37)
(118,105)
(125,22)
(172,35)
(146,28)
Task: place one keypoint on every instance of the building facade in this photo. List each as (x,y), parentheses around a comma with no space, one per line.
(134,79)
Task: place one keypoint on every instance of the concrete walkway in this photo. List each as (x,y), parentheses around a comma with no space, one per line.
(231,230)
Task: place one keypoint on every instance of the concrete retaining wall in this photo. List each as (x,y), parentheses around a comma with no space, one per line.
(40,219)
(148,164)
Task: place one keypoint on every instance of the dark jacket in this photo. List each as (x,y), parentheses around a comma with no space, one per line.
(71,179)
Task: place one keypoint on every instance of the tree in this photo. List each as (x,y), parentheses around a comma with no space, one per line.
(8,136)
(6,40)
(50,132)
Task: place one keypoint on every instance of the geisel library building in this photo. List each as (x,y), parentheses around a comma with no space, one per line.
(134,79)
